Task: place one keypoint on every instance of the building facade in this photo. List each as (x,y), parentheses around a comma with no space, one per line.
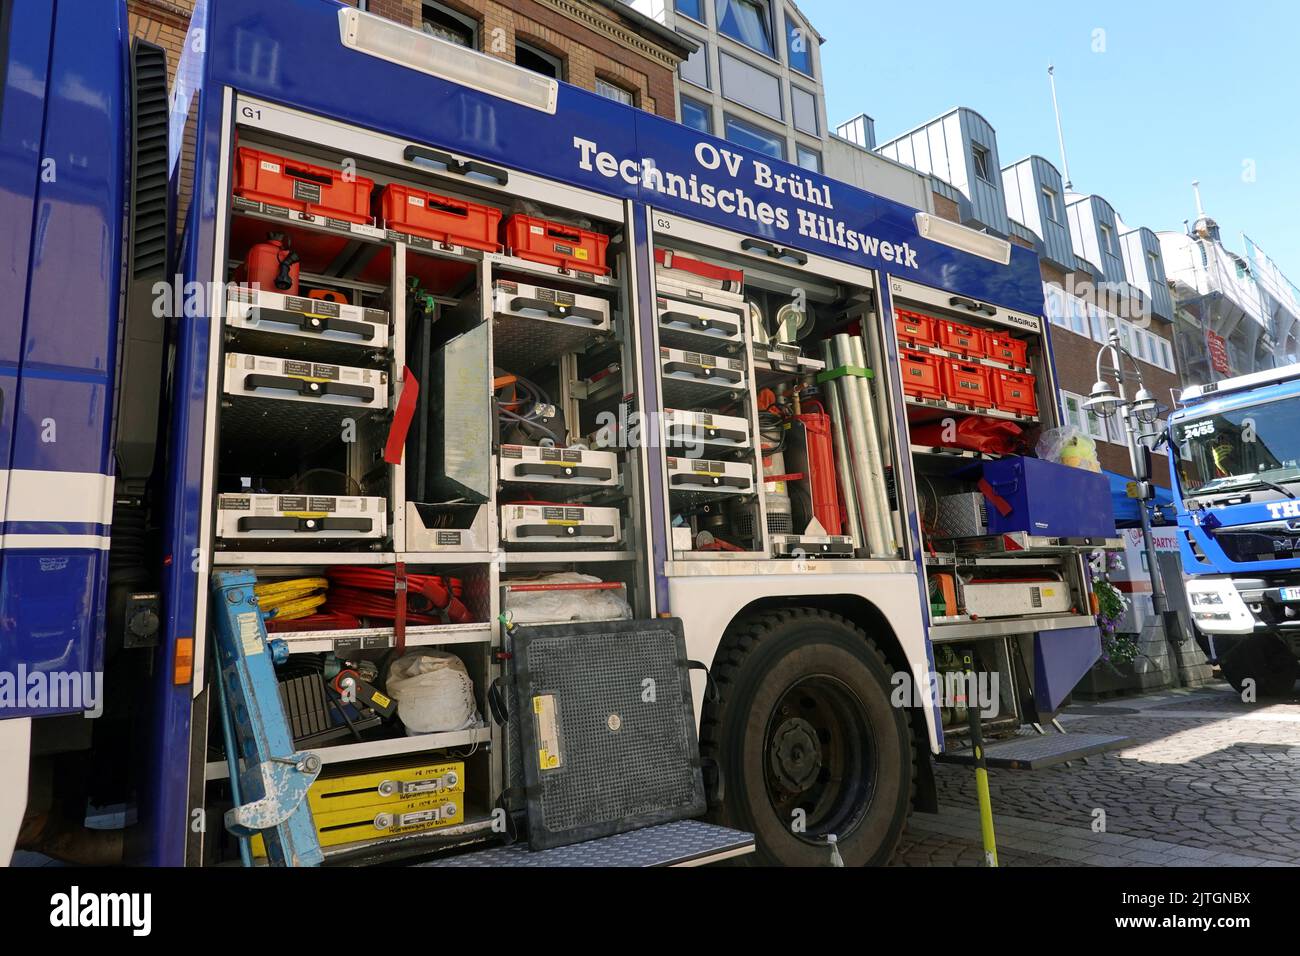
(1235,314)
(755,78)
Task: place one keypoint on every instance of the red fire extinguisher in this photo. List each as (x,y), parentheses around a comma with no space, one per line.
(271,265)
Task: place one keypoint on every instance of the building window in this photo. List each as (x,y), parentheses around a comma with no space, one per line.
(697,115)
(809,159)
(1153,263)
(798,45)
(750,86)
(1049,200)
(1072,410)
(690,8)
(983,162)
(538,60)
(1097,323)
(754,137)
(749,21)
(1055,304)
(1107,242)
(804,106)
(695,68)
(446,24)
(613,92)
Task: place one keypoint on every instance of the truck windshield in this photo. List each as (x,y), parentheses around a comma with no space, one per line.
(1235,449)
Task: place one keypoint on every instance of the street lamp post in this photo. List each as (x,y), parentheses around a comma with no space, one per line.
(1106,402)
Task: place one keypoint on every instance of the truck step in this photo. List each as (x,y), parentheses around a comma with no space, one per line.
(1036,752)
(680,843)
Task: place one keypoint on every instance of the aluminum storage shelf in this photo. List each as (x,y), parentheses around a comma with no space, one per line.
(503,264)
(693,325)
(269,323)
(545,527)
(1005,626)
(699,480)
(345,753)
(942,408)
(377,638)
(682,428)
(558,468)
(693,379)
(290,408)
(533,325)
(956,455)
(1013,543)
(309,559)
(323,224)
(564,557)
(308,521)
(776,363)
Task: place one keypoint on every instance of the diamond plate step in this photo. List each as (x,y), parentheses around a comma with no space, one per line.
(680,843)
(1037,752)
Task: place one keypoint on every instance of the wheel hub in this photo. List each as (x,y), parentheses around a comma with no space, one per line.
(796,755)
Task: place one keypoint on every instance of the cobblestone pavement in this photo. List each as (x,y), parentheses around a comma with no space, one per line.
(1205,780)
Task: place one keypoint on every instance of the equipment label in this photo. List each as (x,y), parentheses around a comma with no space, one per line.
(250,633)
(546,723)
(306,192)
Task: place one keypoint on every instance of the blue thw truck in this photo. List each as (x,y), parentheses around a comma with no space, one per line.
(345,375)
(1236,458)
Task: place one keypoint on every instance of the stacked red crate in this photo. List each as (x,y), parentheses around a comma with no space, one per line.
(317,190)
(454,222)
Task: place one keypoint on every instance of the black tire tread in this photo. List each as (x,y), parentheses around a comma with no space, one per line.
(743,638)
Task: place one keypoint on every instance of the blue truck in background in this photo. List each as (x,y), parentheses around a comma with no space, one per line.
(1235,456)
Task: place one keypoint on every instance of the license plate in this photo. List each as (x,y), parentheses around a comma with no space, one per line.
(1291,594)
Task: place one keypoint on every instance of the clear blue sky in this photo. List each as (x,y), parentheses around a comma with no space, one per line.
(1183,90)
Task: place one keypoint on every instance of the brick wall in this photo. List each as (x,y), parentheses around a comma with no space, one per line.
(1076,363)
(164,22)
(946,208)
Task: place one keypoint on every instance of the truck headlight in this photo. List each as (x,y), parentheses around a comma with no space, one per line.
(1217,607)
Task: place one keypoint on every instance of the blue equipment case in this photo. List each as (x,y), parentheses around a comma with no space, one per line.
(1049,499)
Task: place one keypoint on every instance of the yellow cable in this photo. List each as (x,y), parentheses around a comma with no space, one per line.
(292,598)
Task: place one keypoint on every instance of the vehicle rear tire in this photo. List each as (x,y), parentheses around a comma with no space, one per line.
(804,729)
(1267,660)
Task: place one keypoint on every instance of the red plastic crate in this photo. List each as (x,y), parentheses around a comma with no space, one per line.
(961,339)
(318,190)
(556,244)
(915,328)
(965,384)
(1003,348)
(921,375)
(1015,392)
(454,222)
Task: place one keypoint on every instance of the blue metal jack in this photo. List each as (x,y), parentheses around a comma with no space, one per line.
(274,779)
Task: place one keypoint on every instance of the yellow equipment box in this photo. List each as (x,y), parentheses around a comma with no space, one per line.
(383,799)
(380,784)
(337,827)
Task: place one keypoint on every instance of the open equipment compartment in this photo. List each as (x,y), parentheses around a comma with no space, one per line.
(758,451)
(382,369)
(978,391)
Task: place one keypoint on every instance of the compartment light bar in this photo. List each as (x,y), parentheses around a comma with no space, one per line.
(961,237)
(378,37)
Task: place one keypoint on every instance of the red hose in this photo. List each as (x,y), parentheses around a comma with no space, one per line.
(371,592)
